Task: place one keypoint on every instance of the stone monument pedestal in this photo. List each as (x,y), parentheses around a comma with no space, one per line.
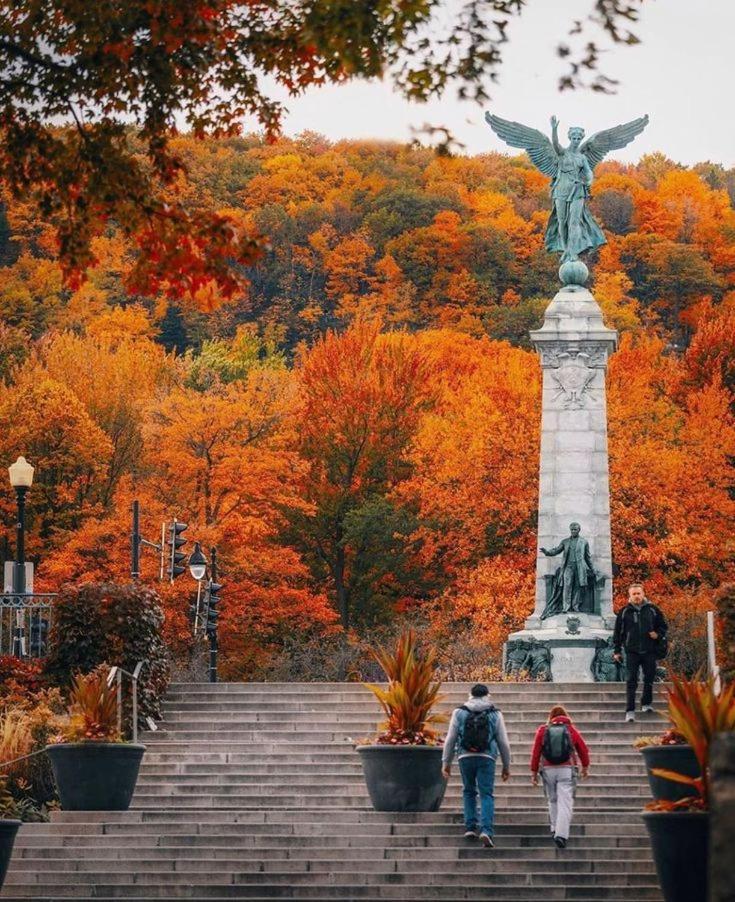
(574,346)
(572,640)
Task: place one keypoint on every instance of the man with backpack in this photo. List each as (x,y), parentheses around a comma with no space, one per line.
(558,749)
(640,629)
(477,734)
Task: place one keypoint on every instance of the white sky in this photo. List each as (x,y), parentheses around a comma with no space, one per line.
(681,74)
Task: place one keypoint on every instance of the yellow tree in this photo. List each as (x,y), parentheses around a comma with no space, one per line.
(45,421)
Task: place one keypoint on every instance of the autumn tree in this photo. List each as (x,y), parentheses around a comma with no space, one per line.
(44,420)
(475,455)
(670,471)
(113,371)
(360,396)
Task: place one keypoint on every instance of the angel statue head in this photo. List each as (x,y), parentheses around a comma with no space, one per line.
(571,229)
(576,135)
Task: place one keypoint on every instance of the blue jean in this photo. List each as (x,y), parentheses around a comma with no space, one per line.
(478,773)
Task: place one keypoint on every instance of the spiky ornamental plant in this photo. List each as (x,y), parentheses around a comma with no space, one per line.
(92,709)
(411,694)
(697,712)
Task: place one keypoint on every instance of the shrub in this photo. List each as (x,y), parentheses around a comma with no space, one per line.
(20,677)
(117,624)
(24,731)
(461,655)
(687,636)
(8,805)
(669,737)
(411,693)
(725,601)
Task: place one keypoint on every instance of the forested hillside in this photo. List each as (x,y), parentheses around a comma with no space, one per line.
(358,434)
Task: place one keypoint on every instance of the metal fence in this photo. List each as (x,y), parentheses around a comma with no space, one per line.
(25,624)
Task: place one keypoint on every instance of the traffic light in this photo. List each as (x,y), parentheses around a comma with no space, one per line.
(176,558)
(213,600)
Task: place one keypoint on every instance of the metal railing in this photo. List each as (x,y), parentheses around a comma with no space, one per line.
(115,676)
(25,624)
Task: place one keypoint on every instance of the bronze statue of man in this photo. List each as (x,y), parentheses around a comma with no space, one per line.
(571,229)
(576,567)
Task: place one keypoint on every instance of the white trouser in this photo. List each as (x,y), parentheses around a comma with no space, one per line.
(559,789)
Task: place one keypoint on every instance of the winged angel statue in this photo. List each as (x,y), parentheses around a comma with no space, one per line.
(572,229)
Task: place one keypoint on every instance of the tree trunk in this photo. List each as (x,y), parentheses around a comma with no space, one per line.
(343,604)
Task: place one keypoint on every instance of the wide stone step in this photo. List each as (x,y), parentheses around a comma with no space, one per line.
(266,734)
(373,848)
(504,792)
(227,869)
(511,836)
(494,871)
(250,720)
(370,709)
(205,775)
(592,824)
(264,893)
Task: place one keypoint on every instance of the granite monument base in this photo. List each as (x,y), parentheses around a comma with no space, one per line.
(572,640)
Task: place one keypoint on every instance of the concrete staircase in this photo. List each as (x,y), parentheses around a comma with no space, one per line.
(253,791)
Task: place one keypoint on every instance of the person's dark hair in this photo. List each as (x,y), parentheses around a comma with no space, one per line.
(479,690)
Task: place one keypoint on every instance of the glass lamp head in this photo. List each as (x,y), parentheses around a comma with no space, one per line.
(197,562)
(21,474)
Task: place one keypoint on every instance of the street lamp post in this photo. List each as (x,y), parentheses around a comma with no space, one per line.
(198,570)
(21,479)
(212,632)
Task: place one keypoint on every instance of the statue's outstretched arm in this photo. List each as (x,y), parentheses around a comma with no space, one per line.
(595,147)
(535,143)
(552,552)
(555,136)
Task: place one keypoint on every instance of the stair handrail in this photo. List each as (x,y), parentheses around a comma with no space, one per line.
(714,667)
(116,674)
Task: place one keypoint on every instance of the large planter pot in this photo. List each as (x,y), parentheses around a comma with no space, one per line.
(95,776)
(722,817)
(8,829)
(680,843)
(403,777)
(679,758)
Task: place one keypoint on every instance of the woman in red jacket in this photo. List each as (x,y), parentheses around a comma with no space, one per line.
(558,750)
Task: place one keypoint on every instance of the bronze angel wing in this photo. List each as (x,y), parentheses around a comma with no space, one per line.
(534,142)
(595,147)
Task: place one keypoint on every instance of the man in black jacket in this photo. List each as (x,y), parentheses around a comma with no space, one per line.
(639,628)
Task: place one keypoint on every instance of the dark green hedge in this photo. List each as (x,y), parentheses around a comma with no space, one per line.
(725,601)
(96,623)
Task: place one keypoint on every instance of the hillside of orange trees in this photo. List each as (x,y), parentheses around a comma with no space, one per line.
(359,433)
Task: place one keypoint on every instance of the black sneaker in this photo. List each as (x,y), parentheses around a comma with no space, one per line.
(487,841)
(561,843)
(470,834)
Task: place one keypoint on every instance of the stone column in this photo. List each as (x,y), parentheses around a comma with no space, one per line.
(574,346)
(574,484)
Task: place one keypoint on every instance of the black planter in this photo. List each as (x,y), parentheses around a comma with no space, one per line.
(95,776)
(680,843)
(8,829)
(680,758)
(403,777)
